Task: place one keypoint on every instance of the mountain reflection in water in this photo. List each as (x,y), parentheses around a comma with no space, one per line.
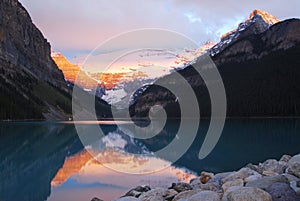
(41,160)
(95,179)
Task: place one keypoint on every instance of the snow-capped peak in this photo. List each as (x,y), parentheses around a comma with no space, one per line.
(258,20)
(267,17)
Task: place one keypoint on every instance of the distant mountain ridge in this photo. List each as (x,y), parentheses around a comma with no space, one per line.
(259,66)
(71,72)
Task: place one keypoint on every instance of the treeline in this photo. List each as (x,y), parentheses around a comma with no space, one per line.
(13,104)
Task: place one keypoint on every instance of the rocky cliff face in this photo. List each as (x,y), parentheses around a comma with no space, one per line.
(28,75)
(23,45)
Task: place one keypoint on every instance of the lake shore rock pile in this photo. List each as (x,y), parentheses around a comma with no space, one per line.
(271,180)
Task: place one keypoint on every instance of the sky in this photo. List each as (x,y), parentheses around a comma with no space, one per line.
(76,27)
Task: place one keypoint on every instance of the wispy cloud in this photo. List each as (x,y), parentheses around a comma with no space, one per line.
(81,25)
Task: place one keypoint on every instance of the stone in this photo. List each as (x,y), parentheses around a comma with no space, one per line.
(265,182)
(204,196)
(129,198)
(285,158)
(136,192)
(205,177)
(96,199)
(238,182)
(291,178)
(249,194)
(215,186)
(252,167)
(169,194)
(294,186)
(133,193)
(294,166)
(153,195)
(186,194)
(282,192)
(195,181)
(241,174)
(252,178)
(272,165)
(153,198)
(230,189)
(219,177)
(269,173)
(181,186)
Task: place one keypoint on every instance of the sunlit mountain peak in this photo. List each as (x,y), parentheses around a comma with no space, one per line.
(267,17)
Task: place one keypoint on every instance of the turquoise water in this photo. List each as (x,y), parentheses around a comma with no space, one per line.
(46,161)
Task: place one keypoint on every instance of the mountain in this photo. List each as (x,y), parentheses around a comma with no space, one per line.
(259,66)
(257,22)
(31,85)
(71,72)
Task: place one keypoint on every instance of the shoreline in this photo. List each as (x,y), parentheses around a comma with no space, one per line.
(145,119)
(270,180)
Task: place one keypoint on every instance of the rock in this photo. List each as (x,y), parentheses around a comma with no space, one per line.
(265,182)
(153,198)
(133,193)
(241,174)
(252,178)
(298,183)
(181,186)
(252,167)
(294,166)
(272,166)
(129,198)
(219,177)
(136,192)
(215,186)
(269,173)
(96,199)
(204,196)
(229,190)
(238,182)
(249,194)
(285,158)
(195,181)
(282,192)
(153,195)
(186,194)
(294,186)
(158,194)
(169,194)
(291,178)
(205,177)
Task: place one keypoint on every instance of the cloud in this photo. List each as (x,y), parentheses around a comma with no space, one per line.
(83,24)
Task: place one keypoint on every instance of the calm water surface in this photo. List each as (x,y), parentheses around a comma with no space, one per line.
(46,161)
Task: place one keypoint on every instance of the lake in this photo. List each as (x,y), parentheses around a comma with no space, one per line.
(47,161)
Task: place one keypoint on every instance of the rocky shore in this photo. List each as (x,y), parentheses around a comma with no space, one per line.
(271,180)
